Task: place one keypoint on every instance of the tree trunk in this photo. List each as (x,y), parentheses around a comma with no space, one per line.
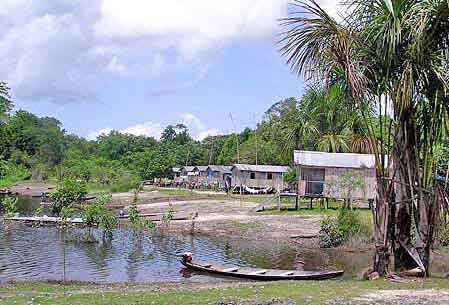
(404,165)
(382,229)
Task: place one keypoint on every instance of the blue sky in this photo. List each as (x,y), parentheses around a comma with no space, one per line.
(137,65)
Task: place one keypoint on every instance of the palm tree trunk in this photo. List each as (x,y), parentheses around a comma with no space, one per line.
(382,228)
(404,165)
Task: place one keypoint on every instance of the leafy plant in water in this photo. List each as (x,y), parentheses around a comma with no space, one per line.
(96,213)
(134,218)
(10,206)
(168,217)
(70,191)
(66,212)
(39,211)
(149,225)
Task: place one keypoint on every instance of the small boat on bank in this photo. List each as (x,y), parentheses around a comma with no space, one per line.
(258,274)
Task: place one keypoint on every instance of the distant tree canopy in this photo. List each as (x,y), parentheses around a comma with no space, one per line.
(317,121)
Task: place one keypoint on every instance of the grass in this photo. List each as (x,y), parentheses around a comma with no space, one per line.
(309,292)
(247,225)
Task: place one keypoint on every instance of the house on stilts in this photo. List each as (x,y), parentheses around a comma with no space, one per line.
(320,174)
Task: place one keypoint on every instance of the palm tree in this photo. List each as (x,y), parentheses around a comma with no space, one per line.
(386,52)
(298,128)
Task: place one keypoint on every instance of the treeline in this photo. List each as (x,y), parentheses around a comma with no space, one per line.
(39,147)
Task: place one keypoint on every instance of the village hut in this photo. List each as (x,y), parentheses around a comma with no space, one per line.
(218,174)
(258,176)
(176,174)
(202,175)
(335,175)
(189,174)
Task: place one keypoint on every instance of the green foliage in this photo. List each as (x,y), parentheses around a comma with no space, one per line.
(11,173)
(10,206)
(108,223)
(443,234)
(335,231)
(168,216)
(96,213)
(149,225)
(92,212)
(134,218)
(66,212)
(330,234)
(290,177)
(39,211)
(68,192)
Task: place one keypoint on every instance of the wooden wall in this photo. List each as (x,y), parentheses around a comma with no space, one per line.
(332,176)
(260,181)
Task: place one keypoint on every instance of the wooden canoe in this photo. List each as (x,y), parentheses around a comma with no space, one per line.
(262,274)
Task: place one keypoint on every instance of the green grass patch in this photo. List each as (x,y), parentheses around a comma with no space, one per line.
(309,292)
(247,225)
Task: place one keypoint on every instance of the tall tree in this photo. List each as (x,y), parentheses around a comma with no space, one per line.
(386,52)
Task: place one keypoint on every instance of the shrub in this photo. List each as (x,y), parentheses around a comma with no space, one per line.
(68,192)
(11,173)
(96,213)
(335,231)
(66,212)
(10,206)
(125,183)
(330,235)
(443,235)
(92,212)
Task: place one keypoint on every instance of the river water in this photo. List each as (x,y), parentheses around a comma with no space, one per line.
(47,253)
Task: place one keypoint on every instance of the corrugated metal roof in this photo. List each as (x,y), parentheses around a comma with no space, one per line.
(176,169)
(220,168)
(323,159)
(188,168)
(201,168)
(261,168)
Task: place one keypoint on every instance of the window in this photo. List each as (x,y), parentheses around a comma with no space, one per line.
(269,176)
(252,176)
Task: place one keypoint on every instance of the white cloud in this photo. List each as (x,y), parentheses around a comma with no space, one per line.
(196,127)
(62,50)
(95,134)
(148,129)
(115,66)
(332,7)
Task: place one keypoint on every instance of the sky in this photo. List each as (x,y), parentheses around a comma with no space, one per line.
(138,65)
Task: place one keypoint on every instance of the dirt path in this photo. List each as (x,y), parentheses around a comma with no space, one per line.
(32,188)
(233,218)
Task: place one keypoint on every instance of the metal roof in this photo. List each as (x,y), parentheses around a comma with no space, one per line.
(323,159)
(176,169)
(261,168)
(201,168)
(220,168)
(188,168)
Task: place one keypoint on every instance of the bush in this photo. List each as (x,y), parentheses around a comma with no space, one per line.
(330,235)
(336,231)
(125,182)
(11,173)
(68,192)
(96,213)
(443,234)
(10,206)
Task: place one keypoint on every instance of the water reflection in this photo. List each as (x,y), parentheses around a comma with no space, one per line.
(28,253)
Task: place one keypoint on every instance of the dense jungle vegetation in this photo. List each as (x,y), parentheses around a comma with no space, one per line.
(39,148)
